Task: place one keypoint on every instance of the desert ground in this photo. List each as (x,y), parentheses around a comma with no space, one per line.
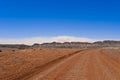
(60,64)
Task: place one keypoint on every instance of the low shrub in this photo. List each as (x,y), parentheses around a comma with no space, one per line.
(0,50)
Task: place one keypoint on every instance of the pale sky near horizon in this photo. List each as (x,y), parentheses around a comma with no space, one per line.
(92,19)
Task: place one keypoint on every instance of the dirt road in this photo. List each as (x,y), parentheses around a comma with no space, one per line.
(90,64)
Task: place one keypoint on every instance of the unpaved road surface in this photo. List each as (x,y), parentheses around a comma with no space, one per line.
(89,64)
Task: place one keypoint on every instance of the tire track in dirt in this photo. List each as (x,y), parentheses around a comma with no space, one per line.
(113,67)
(90,64)
(101,70)
(53,72)
(76,71)
(68,65)
(41,71)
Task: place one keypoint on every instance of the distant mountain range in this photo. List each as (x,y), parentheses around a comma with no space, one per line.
(107,43)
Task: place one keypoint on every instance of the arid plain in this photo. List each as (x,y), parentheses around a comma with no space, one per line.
(60,64)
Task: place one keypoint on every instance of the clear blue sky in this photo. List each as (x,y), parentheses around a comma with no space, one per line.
(97,19)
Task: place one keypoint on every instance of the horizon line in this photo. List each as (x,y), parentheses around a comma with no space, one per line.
(40,40)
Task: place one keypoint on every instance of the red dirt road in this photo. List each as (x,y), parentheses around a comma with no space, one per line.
(89,64)
(86,65)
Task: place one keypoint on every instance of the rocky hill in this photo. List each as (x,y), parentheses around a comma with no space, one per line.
(18,46)
(97,44)
(106,43)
